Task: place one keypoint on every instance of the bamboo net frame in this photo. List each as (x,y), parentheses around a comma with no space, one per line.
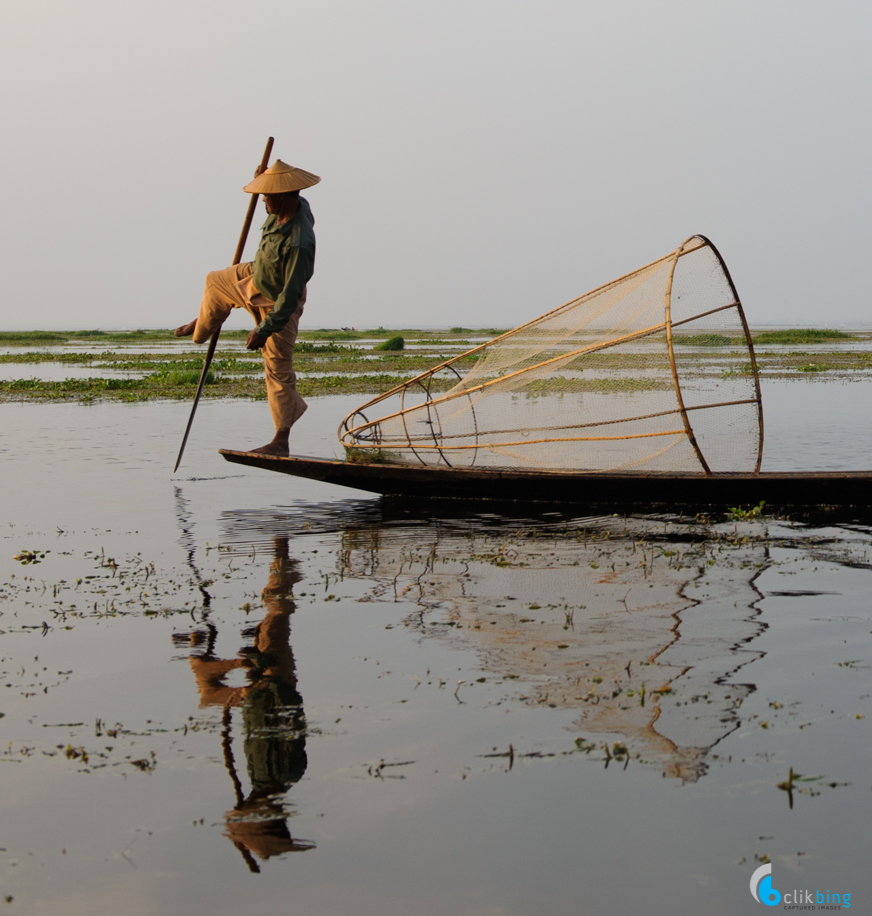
(630,376)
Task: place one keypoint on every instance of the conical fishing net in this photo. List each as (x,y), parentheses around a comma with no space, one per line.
(654,371)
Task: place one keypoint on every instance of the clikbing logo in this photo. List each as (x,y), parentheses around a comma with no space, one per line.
(761,886)
(763,892)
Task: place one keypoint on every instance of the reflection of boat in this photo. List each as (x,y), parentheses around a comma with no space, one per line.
(591,489)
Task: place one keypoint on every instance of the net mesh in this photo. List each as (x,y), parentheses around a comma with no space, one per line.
(637,375)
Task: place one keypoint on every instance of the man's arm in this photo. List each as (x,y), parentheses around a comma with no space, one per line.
(298,271)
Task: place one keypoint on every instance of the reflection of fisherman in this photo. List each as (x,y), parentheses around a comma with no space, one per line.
(273,717)
(272,290)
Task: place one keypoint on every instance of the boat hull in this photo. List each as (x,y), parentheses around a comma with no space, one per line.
(593,489)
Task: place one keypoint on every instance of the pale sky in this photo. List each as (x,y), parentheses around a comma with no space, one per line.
(482,161)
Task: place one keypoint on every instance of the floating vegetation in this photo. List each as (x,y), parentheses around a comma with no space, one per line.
(599,385)
(70,385)
(171,367)
(161,386)
(306,346)
(174,377)
(30,556)
(790,784)
(801,335)
(743,369)
(707,340)
(739,514)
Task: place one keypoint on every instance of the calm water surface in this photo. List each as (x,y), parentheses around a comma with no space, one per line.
(270,695)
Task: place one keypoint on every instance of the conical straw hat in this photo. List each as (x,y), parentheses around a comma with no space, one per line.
(280,178)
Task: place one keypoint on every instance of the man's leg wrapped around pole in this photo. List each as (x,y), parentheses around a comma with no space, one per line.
(225,290)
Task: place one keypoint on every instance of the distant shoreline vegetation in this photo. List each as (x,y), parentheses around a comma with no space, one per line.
(714,338)
(157,335)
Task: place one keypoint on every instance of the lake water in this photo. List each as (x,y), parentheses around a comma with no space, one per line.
(271,695)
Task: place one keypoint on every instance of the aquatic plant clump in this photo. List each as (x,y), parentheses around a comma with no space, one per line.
(568,390)
(392,343)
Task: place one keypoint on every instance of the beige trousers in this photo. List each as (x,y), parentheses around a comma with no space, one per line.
(233,288)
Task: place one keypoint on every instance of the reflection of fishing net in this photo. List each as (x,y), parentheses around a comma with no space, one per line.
(598,635)
(640,374)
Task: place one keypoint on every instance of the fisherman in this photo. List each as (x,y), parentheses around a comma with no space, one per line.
(272,290)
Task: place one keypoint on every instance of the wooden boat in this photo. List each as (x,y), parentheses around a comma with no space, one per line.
(599,490)
(650,405)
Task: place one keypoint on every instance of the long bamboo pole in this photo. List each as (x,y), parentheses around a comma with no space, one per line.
(240,247)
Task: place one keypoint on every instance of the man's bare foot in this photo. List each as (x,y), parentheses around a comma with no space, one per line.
(186,330)
(274,449)
(278,448)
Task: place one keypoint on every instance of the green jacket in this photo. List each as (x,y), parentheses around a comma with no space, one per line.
(284,264)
